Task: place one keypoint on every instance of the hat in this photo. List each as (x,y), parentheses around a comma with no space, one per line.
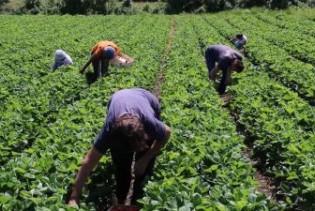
(245,38)
(59,54)
(109,52)
(61,59)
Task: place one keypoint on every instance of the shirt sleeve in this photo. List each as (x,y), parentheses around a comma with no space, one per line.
(224,63)
(155,129)
(102,140)
(117,51)
(155,105)
(98,52)
(68,60)
(238,56)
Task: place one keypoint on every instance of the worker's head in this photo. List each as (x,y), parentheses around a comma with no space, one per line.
(128,134)
(109,52)
(59,54)
(239,36)
(237,65)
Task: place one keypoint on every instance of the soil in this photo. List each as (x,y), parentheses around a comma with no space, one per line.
(266,183)
(160,77)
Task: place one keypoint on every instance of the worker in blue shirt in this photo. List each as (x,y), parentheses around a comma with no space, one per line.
(132,128)
(224,58)
(239,41)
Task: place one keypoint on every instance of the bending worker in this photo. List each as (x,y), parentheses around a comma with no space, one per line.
(227,59)
(101,54)
(239,41)
(61,59)
(132,126)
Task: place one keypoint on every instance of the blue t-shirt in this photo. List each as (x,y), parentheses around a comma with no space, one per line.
(221,54)
(135,101)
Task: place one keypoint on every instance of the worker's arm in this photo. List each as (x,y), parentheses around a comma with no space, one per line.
(233,39)
(120,54)
(92,58)
(213,73)
(90,161)
(142,163)
(226,76)
(227,79)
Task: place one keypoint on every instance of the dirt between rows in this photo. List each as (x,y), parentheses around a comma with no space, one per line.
(266,183)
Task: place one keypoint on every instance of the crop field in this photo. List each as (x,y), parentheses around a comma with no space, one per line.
(254,152)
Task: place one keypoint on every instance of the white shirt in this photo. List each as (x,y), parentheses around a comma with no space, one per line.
(243,40)
(61,59)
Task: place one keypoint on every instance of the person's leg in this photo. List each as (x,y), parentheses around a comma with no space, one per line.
(139,183)
(122,164)
(222,85)
(210,64)
(138,192)
(105,64)
(96,68)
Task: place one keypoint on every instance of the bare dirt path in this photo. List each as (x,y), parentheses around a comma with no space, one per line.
(160,76)
(266,184)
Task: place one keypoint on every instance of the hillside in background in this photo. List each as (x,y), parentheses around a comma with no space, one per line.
(88,7)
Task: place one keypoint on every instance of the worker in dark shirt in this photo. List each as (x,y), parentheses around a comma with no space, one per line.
(224,58)
(132,128)
(239,41)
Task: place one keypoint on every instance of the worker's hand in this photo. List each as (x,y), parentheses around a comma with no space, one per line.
(140,166)
(212,75)
(242,51)
(228,81)
(73,203)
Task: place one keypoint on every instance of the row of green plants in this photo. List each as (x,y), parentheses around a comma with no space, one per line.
(40,176)
(52,90)
(278,121)
(280,65)
(303,20)
(282,128)
(295,42)
(51,118)
(292,72)
(203,166)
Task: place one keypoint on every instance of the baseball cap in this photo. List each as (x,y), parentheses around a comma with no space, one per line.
(109,52)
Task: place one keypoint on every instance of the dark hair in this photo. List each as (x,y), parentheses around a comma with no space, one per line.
(127,131)
(239,66)
(239,36)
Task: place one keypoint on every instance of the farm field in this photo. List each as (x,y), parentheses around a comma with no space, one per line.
(255,152)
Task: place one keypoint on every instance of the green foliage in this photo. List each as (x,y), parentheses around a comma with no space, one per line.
(84,7)
(50,119)
(32,6)
(178,6)
(2,2)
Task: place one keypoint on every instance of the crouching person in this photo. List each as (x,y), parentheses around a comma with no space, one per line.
(224,58)
(61,59)
(132,128)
